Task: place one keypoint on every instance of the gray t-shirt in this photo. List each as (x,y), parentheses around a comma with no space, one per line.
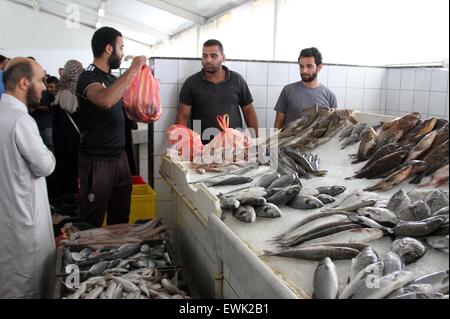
(295,97)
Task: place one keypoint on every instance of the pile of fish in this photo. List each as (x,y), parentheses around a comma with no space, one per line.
(270,192)
(114,235)
(318,126)
(301,164)
(402,148)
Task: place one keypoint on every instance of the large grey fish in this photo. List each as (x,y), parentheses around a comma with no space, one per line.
(421,295)
(283,181)
(268,210)
(358,246)
(436,200)
(316,253)
(325,283)
(245,214)
(409,249)
(368,222)
(422,228)
(439,281)
(422,146)
(284,196)
(353,196)
(416,212)
(267,179)
(362,279)
(365,258)
(305,202)
(420,288)
(352,139)
(303,162)
(419,194)
(442,211)
(248,192)
(353,207)
(331,190)
(361,235)
(399,202)
(308,192)
(438,242)
(325,199)
(256,201)
(338,228)
(230,180)
(346,132)
(392,262)
(228,202)
(385,285)
(381,215)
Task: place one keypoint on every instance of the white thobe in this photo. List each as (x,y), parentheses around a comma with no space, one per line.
(27,245)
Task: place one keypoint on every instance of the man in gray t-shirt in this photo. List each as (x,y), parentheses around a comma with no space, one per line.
(297,96)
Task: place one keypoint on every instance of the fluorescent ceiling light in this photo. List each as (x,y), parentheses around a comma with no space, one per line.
(98,25)
(101,12)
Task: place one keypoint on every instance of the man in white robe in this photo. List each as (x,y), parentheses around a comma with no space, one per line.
(27,245)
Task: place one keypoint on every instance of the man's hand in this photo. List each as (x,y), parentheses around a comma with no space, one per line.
(138,62)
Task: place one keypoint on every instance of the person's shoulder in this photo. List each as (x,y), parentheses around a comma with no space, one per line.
(293,86)
(236,75)
(326,89)
(194,77)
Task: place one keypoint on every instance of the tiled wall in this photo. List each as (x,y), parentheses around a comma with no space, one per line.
(424,90)
(369,89)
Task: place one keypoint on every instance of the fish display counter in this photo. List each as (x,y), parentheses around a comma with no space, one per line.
(233,259)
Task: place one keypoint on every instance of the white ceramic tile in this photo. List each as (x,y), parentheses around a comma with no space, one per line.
(273,93)
(354,99)
(143,151)
(323,75)
(421,102)
(143,169)
(439,80)
(262,120)
(438,103)
(394,79)
(373,78)
(156,165)
(169,95)
(167,119)
(294,73)
(259,94)
(392,99)
(186,68)
(383,101)
(160,143)
(355,77)
(337,76)
(384,81)
(392,113)
(166,70)
(408,79)
(257,73)
(340,96)
(163,190)
(406,101)
(278,74)
(239,67)
(372,99)
(271,114)
(423,80)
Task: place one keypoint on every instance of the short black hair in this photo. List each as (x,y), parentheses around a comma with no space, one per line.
(52,79)
(213,42)
(32,58)
(311,52)
(3,58)
(14,73)
(101,38)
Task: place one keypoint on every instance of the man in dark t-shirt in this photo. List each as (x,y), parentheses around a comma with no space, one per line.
(105,179)
(215,91)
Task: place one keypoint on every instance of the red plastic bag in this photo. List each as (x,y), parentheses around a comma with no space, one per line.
(186,143)
(141,99)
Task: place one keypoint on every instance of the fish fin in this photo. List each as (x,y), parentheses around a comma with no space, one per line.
(268,253)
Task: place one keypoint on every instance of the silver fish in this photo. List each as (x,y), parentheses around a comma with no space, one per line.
(267,179)
(381,215)
(399,202)
(305,202)
(316,253)
(415,212)
(257,201)
(268,210)
(362,235)
(228,202)
(438,242)
(419,194)
(283,181)
(436,200)
(245,214)
(326,285)
(385,285)
(325,199)
(231,180)
(420,288)
(439,281)
(368,222)
(421,295)
(392,263)
(409,249)
(365,258)
(331,190)
(354,206)
(284,196)
(422,228)
(308,192)
(363,279)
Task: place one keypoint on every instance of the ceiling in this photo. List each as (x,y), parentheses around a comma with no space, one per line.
(145,21)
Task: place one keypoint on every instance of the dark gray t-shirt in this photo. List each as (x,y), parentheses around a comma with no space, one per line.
(208,100)
(295,97)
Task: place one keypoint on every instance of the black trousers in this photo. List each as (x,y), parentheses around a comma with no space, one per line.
(105,186)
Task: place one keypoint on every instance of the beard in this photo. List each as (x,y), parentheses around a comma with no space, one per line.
(308,78)
(214,68)
(33,98)
(114,61)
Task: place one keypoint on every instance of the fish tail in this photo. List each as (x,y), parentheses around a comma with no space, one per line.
(320,173)
(268,253)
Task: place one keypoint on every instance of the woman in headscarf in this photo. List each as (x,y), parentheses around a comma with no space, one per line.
(66,136)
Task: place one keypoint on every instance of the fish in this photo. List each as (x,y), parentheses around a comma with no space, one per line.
(257,201)
(325,199)
(248,192)
(230,180)
(316,253)
(421,288)
(421,129)
(367,146)
(325,283)
(267,179)
(379,214)
(392,180)
(421,295)
(385,285)
(441,138)
(368,222)
(417,167)
(439,280)
(358,246)
(438,242)
(346,132)
(436,200)
(435,160)
(392,262)
(308,192)
(382,152)
(422,228)
(284,196)
(268,210)
(422,146)
(228,202)
(331,190)
(363,278)
(245,214)
(321,232)
(416,212)
(283,181)
(303,162)
(359,128)
(365,258)
(409,249)
(361,235)
(391,132)
(439,178)
(419,194)
(440,123)
(352,139)
(354,206)
(442,211)
(399,202)
(382,165)
(305,202)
